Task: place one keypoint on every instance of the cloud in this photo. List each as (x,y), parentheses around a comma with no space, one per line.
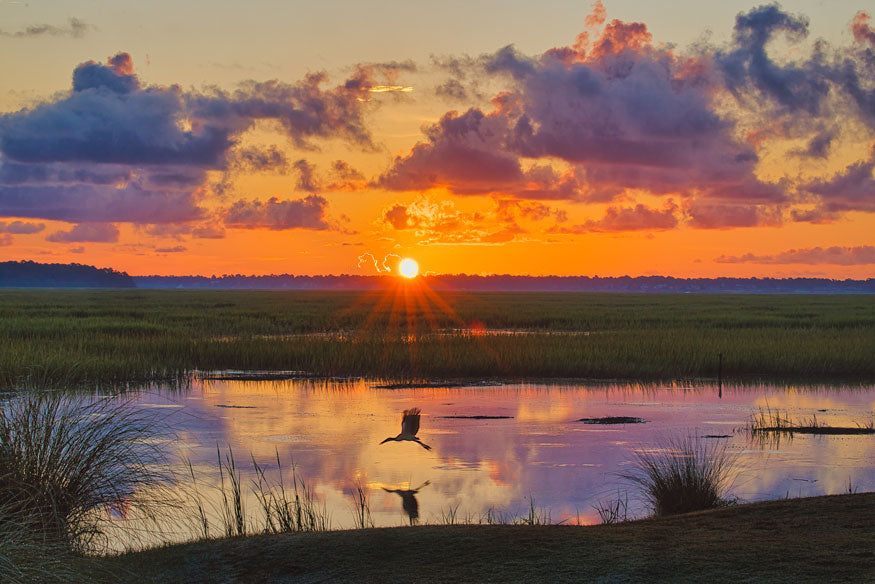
(852,189)
(307,180)
(115,149)
(276,214)
(618,219)
(257,159)
(620,112)
(388,264)
(863,33)
(21,227)
(442,223)
(840,256)
(615,114)
(86,202)
(95,232)
(75,28)
(174,249)
(718,215)
(466,154)
(5,240)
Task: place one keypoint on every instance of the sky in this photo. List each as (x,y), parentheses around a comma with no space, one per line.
(607,138)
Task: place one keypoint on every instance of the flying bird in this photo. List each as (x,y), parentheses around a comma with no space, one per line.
(409,428)
(408,500)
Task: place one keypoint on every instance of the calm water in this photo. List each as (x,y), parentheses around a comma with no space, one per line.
(332,432)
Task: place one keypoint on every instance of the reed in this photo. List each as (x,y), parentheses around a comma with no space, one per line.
(233,512)
(684,474)
(287,511)
(361,507)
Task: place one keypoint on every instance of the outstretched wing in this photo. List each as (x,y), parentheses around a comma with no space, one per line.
(410,422)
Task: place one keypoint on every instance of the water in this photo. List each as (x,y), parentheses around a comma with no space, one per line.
(332,431)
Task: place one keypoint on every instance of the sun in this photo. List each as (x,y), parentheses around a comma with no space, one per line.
(408,268)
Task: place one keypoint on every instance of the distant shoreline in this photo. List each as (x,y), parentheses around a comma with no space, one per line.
(29,274)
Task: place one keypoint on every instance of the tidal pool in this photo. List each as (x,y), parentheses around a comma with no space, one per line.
(479,468)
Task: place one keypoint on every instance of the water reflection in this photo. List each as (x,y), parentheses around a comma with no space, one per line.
(408,501)
(496,446)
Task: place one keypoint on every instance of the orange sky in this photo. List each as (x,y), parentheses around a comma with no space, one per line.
(610,153)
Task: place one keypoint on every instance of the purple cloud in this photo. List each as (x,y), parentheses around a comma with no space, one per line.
(840,256)
(276,214)
(94,232)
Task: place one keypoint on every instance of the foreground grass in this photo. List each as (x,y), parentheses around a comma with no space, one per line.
(69,337)
(822,539)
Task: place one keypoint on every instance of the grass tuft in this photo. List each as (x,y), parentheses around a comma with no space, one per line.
(65,465)
(685,474)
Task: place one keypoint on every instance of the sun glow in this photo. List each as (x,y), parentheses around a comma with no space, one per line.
(408,268)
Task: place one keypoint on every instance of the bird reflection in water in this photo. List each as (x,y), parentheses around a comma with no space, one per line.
(408,501)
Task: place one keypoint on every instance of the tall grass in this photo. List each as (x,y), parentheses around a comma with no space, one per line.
(62,338)
(684,474)
(361,507)
(287,511)
(233,512)
(65,464)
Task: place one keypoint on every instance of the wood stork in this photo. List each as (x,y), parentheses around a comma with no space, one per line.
(409,428)
(408,500)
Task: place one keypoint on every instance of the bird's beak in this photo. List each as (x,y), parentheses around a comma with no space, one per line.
(386,440)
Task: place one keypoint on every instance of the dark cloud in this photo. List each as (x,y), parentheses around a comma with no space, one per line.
(623,113)
(819,145)
(468,155)
(21,227)
(96,232)
(852,189)
(306,213)
(75,28)
(116,150)
(704,214)
(618,219)
(175,249)
(95,203)
(748,65)
(257,159)
(307,180)
(839,256)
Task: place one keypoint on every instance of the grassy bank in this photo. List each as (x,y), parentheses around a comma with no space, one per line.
(62,338)
(823,539)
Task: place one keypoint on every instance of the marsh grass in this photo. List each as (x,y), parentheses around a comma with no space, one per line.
(768,421)
(233,511)
(288,511)
(66,465)
(361,506)
(684,474)
(55,338)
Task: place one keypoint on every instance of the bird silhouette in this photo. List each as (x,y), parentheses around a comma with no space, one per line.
(408,500)
(409,428)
